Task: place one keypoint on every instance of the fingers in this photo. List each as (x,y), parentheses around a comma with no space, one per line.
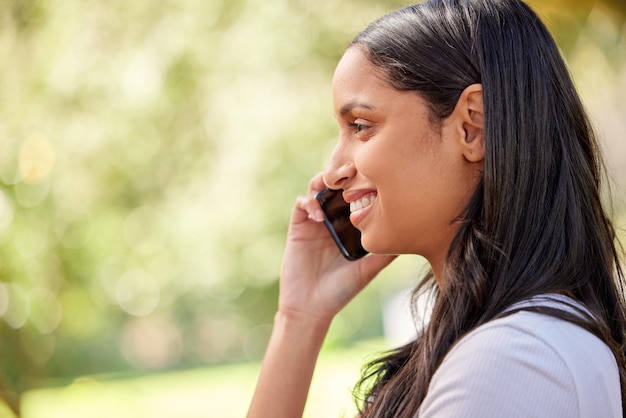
(307,207)
(316,184)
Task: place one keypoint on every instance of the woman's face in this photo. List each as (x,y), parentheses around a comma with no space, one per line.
(405,178)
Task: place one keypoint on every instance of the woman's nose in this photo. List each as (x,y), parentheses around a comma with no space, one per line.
(339,169)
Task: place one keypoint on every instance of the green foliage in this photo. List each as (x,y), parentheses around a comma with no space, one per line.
(149,158)
(217,391)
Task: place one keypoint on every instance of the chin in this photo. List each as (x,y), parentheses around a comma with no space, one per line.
(387,247)
(375,246)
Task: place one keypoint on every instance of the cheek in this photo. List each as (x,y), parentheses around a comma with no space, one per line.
(372,153)
(390,159)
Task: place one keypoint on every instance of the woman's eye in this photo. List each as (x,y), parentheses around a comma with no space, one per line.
(357,127)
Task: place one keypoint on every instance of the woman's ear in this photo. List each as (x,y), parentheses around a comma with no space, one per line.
(471,116)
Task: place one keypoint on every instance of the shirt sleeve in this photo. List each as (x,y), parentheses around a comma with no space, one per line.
(501,371)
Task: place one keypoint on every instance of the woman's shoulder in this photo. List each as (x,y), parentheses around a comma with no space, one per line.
(522,324)
(543,338)
(527,363)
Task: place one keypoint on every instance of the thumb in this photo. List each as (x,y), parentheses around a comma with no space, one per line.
(373,264)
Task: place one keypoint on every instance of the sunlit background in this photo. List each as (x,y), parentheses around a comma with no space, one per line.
(150,153)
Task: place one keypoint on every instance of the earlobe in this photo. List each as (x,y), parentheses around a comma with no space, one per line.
(472,118)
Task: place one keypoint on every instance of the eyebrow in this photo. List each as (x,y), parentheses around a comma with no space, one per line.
(352,105)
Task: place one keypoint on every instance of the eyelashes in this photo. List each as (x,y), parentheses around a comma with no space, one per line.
(357,127)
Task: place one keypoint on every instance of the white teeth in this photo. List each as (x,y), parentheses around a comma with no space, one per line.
(362,202)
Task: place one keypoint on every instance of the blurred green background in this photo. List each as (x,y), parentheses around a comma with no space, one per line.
(150,153)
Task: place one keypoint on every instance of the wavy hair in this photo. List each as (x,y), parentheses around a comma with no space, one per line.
(535,223)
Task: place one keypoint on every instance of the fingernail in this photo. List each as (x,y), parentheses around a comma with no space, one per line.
(319,215)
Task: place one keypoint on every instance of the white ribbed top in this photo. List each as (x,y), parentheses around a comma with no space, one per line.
(526,365)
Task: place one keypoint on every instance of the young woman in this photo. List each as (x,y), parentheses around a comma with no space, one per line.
(463,140)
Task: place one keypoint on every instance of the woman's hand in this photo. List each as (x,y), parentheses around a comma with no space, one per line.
(316,280)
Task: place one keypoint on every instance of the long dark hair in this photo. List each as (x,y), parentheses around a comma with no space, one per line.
(535,223)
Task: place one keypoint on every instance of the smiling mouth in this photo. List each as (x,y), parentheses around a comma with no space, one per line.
(363,202)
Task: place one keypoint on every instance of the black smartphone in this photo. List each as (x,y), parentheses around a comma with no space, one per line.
(337,220)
